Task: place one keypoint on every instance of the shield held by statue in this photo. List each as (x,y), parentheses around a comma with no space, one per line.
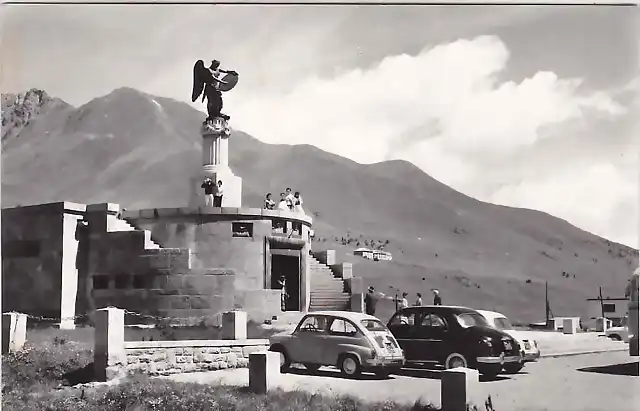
(230,80)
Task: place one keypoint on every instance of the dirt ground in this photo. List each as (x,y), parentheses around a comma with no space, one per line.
(606,381)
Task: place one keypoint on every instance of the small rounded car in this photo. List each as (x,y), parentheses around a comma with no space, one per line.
(453,337)
(529,350)
(352,342)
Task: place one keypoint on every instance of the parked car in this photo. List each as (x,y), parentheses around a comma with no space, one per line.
(352,342)
(453,337)
(619,333)
(529,350)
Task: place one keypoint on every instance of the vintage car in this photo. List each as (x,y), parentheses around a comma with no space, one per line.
(619,333)
(453,337)
(529,350)
(352,342)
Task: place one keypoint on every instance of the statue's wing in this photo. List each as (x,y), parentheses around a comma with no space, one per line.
(199,77)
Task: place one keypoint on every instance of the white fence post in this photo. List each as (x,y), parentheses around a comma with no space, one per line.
(264,369)
(14,331)
(109,354)
(234,325)
(458,386)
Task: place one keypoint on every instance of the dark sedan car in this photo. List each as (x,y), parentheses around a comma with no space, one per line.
(452,337)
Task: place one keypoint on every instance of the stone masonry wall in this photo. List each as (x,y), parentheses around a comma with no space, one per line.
(33,248)
(173,357)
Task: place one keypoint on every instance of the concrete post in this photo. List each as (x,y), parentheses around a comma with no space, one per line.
(14,332)
(109,355)
(357,302)
(568,326)
(234,325)
(264,370)
(458,387)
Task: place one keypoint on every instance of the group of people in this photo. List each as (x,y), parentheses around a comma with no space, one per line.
(288,202)
(372,297)
(212,192)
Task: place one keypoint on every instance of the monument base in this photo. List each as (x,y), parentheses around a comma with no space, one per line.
(231,186)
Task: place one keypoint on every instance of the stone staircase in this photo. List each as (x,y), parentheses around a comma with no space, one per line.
(119,225)
(327,291)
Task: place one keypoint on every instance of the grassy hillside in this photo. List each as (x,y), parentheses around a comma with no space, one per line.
(140,150)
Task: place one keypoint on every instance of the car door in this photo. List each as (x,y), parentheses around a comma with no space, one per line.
(308,340)
(341,333)
(431,330)
(402,327)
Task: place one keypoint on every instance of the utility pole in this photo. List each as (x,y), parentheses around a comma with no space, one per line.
(601,302)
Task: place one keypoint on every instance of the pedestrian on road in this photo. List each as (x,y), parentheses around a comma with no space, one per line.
(418,300)
(370,301)
(404,303)
(437,300)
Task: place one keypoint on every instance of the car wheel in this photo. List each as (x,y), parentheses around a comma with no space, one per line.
(455,360)
(490,370)
(311,367)
(513,367)
(615,337)
(285,361)
(349,365)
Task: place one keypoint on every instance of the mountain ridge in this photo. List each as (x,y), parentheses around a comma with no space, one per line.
(139,150)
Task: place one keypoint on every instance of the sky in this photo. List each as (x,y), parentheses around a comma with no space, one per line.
(525,106)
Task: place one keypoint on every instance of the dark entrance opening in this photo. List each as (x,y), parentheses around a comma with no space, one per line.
(289,266)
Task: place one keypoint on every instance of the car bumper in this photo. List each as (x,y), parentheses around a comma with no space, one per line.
(384,362)
(499,360)
(531,356)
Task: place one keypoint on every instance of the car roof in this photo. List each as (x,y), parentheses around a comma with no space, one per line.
(491,314)
(451,308)
(350,315)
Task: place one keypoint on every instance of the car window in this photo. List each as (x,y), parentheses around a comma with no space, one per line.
(403,319)
(373,325)
(502,323)
(433,321)
(342,327)
(313,323)
(471,319)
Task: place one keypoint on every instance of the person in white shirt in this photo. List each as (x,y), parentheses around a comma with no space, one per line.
(283,205)
(217,195)
(290,199)
(297,203)
(404,303)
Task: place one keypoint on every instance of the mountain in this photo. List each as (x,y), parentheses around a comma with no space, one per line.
(140,150)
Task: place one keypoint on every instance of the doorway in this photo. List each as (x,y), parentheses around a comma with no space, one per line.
(289,266)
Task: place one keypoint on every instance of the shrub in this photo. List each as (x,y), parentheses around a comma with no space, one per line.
(141,393)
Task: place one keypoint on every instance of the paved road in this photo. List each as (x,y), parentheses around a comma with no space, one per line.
(577,383)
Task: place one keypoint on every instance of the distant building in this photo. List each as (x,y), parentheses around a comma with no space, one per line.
(376,255)
(614,309)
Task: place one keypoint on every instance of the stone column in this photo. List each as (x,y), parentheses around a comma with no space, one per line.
(234,325)
(458,387)
(264,370)
(215,165)
(109,355)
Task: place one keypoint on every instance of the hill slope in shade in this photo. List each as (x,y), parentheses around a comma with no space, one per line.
(139,150)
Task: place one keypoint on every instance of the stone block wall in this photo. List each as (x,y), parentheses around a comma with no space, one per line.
(39,252)
(174,357)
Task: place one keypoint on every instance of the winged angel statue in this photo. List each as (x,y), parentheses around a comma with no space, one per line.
(211,83)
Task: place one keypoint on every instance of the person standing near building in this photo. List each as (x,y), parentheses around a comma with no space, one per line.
(217,196)
(418,300)
(282,205)
(290,199)
(269,204)
(370,301)
(437,300)
(209,188)
(282,283)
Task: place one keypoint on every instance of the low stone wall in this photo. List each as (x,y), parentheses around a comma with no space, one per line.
(174,357)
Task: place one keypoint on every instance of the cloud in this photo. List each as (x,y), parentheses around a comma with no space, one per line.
(447,111)
(453,86)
